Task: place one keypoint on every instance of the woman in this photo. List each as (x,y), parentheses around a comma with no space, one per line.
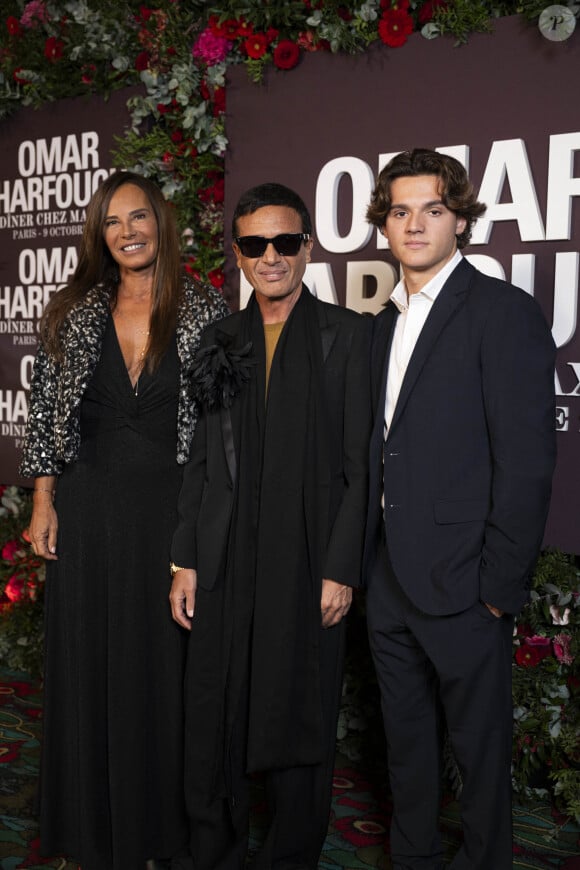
(110,422)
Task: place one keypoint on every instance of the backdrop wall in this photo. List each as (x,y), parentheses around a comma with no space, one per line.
(53,159)
(503,104)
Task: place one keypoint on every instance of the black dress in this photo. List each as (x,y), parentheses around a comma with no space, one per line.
(112,776)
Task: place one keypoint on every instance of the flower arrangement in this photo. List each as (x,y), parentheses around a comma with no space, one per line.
(546,685)
(178,53)
(21,586)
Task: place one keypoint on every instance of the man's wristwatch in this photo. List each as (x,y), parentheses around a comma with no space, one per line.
(173,568)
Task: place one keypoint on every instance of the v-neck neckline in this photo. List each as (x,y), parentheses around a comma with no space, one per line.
(134,387)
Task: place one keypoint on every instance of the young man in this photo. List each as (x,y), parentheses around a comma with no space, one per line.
(461,461)
(269,544)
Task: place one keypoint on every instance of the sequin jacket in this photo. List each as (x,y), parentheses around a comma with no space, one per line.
(53,430)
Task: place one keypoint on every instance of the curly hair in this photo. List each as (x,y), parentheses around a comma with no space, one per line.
(457,191)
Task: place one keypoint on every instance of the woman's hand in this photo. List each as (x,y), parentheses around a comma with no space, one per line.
(43,524)
(182,596)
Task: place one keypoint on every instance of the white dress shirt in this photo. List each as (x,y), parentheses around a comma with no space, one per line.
(414,310)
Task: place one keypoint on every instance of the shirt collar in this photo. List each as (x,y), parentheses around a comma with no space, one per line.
(431,289)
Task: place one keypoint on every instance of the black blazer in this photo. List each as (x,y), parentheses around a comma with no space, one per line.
(470,452)
(207,494)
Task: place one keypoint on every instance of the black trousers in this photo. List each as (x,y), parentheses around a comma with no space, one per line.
(461,665)
(298,798)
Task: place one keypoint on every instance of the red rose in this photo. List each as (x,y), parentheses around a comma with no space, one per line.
(344,13)
(256,45)
(14,589)
(245,29)
(528,656)
(9,550)
(217,191)
(216,278)
(88,73)
(53,48)
(142,61)
(272,34)
(395,26)
(427,9)
(227,29)
(18,78)
(177,137)
(219,101)
(13,25)
(144,13)
(286,54)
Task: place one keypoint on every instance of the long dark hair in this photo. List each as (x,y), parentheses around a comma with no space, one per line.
(96,266)
(457,192)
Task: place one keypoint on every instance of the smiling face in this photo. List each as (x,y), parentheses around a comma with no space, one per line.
(276,279)
(421,230)
(130,230)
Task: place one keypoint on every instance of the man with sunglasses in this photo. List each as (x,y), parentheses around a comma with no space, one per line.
(269,545)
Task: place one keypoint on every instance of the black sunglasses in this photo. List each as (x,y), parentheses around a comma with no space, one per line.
(287,244)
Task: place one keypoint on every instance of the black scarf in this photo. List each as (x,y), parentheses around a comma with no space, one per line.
(256,651)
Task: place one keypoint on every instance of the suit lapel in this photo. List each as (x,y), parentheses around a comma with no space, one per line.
(384,327)
(449,299)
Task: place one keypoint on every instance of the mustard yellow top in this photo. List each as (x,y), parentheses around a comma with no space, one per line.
(272,332)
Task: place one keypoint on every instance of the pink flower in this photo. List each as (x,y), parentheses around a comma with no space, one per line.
(562,649)
(538,640)
(34,14)
(541,646)
(210,48)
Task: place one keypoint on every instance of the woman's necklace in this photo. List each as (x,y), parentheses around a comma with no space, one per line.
(133,340)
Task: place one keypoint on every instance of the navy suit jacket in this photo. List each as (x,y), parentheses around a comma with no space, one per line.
(470,452)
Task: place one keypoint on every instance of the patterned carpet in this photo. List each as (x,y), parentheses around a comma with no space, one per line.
(358,832)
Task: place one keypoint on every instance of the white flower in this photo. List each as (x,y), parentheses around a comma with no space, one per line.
(368,11)
(557,618)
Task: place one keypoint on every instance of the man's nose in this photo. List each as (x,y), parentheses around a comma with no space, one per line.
(271,254)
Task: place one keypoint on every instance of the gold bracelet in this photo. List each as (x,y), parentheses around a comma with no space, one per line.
(173,569)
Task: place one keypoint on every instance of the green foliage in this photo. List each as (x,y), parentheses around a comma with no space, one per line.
(461,18)
(546,685)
